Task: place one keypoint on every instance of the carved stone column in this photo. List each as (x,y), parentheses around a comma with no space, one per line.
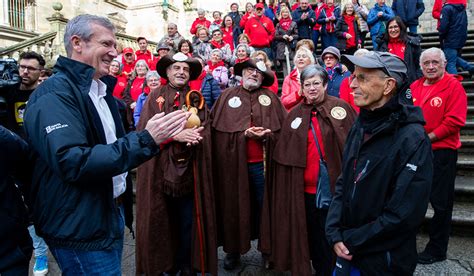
(58,25)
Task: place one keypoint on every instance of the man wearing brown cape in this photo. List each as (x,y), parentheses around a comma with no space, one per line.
(245,122)
(175,197)
(292,222)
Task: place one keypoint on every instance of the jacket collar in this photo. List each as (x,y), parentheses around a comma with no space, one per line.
(79,73)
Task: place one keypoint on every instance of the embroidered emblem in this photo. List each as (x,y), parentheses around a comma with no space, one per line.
(408,94)
(338,113)
(235,102)
(436,102)
(264,100)
(160,102)
(296,123)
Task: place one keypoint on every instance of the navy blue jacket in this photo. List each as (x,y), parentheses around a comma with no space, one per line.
(210,90)
(408,10)
(453,28)
(72,189)
(334,83)
(305,27)
(16,245)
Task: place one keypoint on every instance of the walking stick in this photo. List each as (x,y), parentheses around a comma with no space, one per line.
(287,55)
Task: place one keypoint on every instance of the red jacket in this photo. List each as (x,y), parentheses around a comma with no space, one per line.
(228,37)
(260,37)
(346,94)
(197,22)
(290,90)
(120,86)
(444,106)
(245,18)
(147,57)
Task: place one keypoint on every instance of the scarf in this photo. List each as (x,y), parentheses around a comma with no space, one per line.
(241,60)
(218,22)
(351,42)
(285,23)
(330,28)
(217,45)
(214,66)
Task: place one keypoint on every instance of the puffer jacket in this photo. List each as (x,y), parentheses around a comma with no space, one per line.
(72,189)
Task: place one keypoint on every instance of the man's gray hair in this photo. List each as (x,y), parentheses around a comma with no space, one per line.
(201,11)
(219,51)
(433,50)
(173,25)
(151,74)
(313,70)
(81,26)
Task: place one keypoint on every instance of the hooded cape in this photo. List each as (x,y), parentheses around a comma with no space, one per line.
(167,175)
(231,115)
(284,236)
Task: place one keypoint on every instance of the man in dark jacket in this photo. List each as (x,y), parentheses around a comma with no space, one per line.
(83,153)
(382,194)
(453,36)
(16,246)
(235,14)
(409,11)
(305,19)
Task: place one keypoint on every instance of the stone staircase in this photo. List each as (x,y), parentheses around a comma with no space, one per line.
(463,213)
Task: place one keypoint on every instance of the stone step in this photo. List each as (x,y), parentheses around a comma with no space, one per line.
(464,189)
(462,220)
(465,164)
(467,144)
(468,129)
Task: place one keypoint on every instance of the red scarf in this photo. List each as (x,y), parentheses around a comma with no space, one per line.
(218,22)
(217,45)
(396,47)
(330,24)
(214,66)
(241,60)
(351,42)
(285,23)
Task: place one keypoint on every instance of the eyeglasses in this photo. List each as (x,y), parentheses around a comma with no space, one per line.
(153,80)
(395,27)
(361,78)
(252,70)
(27,68)
(309,85)
(329,57)
(216,34)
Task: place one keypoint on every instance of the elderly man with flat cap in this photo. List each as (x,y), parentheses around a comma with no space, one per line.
(175,200)
(382,194)
(245,121)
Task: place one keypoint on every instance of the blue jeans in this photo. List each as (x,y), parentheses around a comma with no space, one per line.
(328,40)
(413,28)
(83,262)
(455,60)
(315,38)
(257,188)
(41,249)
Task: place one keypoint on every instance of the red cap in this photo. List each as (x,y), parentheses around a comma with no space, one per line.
(127,50)
(260,6)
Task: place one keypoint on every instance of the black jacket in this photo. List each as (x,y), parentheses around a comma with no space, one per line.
(16,245)
(453,26)
(341,29)
(412,55)
(382,194)
(72,190)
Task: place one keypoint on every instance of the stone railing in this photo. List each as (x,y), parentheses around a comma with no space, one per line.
(41,44)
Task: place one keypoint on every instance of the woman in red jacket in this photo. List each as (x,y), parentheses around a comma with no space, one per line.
(291,90)
(115,70)
(249,13)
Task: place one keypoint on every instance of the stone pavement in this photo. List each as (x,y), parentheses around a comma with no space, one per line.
(460,260)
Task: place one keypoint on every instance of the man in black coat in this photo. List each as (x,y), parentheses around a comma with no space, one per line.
(305,19)
(382,194)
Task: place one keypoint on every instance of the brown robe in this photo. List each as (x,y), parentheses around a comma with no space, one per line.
(164,176)
(229,152)
(284,233)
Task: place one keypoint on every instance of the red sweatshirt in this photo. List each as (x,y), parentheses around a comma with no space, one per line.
(346,94)
(147,57)
(228,37)
(260,37)
(206,23)
(120,86)
(397,47)
(444,106)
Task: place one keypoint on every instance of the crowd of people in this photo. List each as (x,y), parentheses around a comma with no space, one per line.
(332,171)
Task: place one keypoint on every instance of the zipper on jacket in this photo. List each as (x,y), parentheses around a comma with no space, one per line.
(359,176)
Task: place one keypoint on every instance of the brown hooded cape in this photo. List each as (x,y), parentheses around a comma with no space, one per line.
(163,176)
(229,152)
(284,235)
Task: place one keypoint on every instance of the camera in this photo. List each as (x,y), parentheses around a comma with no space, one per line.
(9,75)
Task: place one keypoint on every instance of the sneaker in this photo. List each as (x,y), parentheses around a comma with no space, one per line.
(41,266)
